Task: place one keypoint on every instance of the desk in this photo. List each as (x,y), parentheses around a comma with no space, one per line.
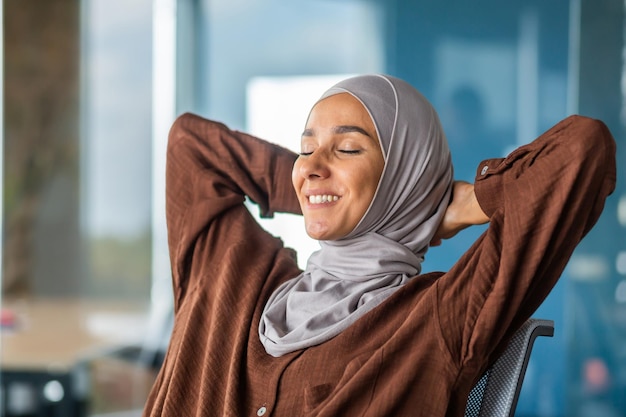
(56,344)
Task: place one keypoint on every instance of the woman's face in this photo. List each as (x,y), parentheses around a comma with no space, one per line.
(338,170)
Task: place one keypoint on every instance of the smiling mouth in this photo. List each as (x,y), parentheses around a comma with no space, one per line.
(322,199)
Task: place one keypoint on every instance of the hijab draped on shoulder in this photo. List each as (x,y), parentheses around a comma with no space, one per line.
(348,277)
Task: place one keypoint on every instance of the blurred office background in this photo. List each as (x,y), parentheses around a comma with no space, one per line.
(90,88)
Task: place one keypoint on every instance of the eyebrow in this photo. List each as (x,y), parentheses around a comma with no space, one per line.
(341,129)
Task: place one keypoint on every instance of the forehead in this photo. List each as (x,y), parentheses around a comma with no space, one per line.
(342,108)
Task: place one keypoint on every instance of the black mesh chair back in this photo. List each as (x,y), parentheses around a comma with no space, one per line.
(497,392)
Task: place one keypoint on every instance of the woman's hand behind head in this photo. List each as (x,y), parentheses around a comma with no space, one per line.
(462,212)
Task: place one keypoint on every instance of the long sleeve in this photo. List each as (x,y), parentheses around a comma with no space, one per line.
(542,199)
(210,169)
(224,267)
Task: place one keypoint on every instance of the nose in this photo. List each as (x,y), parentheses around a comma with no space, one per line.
(314,166)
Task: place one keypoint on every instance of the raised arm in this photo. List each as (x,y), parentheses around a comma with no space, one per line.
(210,169)
(541,201)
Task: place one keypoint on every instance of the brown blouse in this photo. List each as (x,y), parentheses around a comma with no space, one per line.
(418,353)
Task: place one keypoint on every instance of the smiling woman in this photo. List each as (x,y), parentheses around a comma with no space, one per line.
(360,331)
(377,201)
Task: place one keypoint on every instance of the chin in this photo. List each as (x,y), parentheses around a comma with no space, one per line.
(317,234)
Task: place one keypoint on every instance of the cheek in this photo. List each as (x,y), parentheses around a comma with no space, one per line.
(296,180)
(372,183)
(374,175)
(366,189)
(366,184)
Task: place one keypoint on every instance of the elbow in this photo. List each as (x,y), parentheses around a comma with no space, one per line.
(191,127)
(179,128)
(595,149)
(594,137)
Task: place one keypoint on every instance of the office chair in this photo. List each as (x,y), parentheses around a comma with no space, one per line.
(497,391)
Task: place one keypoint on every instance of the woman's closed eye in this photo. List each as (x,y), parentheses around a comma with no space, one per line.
(343,151)
(307,149)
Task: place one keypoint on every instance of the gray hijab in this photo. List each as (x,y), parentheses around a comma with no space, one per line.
(348,277)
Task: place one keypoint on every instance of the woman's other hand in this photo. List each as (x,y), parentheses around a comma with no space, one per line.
(462,212)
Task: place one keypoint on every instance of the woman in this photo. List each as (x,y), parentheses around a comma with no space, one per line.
(360,332)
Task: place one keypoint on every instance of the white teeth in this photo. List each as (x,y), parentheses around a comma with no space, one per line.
(319,199)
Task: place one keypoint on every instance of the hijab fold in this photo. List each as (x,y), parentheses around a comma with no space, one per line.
(347,278)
